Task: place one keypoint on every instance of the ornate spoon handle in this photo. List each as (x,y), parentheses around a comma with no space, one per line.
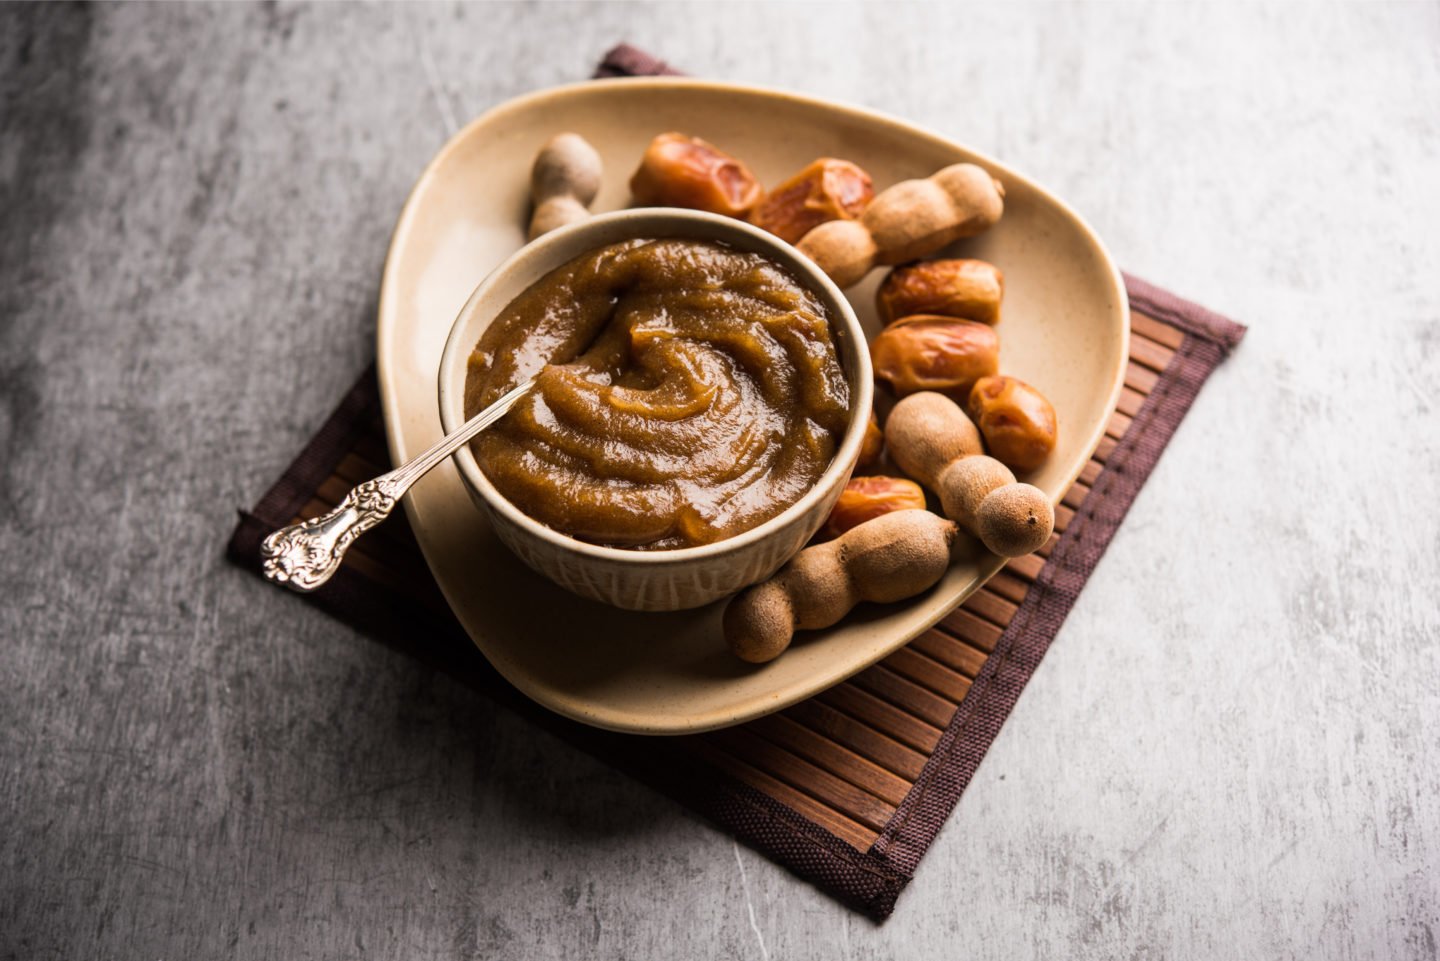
(304,555)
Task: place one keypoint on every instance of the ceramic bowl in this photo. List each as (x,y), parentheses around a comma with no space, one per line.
(654,580)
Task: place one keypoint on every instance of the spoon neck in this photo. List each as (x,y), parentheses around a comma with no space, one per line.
(408,474)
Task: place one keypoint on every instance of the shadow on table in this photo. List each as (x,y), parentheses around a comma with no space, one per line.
(571,798)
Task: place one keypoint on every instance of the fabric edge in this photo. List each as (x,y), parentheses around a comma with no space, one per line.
(623,60)
(1190,317)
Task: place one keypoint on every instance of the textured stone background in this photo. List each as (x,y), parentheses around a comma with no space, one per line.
(1240,760)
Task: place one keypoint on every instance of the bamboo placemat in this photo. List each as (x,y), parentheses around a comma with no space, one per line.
(848,788)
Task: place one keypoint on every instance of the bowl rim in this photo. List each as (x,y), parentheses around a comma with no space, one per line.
(646,221)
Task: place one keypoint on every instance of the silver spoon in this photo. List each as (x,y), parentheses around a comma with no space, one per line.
(303,556)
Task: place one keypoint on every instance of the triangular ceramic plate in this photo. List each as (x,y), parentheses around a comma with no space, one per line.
(1065,329)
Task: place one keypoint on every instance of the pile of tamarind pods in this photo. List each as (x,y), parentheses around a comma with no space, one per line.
(960,428)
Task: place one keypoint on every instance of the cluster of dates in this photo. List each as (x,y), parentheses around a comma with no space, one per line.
(939,315)
(681,171)
(940,337)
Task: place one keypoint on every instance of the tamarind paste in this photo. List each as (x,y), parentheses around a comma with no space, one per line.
(686,392)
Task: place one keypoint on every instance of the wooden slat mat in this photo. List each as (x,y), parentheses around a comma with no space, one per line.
(850,787)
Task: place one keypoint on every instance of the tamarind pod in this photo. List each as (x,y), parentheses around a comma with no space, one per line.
(925,432)
(907,220)
(931,439)
(894,556)
(563,182)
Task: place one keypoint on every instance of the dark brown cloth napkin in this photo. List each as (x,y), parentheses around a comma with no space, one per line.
(850,788)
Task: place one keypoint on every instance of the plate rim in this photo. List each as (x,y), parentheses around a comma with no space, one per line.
(579,709)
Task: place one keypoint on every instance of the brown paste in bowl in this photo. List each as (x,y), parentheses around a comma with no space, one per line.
(686,392)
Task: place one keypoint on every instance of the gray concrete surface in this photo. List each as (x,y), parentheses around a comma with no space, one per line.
(1241,761)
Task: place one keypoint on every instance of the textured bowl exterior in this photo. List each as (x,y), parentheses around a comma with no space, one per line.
(672,585)
(654,580)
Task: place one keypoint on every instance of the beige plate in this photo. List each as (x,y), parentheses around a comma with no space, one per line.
(1065,330)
